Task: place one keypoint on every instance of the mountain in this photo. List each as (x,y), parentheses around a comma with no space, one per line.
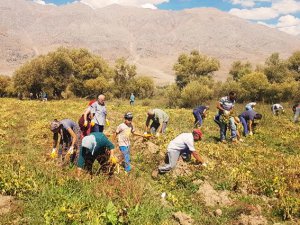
(152,39)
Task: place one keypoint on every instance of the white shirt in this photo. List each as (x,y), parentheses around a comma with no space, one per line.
(182,142)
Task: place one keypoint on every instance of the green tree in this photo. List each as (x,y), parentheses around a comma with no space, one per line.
(123,74)
(294,64)
(64,67)
(96,86)
(195,93)
(232,85)
(143,87)
(5,82)
(256,84)
(192,66)
(238,69)
(276,69)
(173,95)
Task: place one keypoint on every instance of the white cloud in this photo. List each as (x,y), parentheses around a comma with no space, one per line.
(277,8)
(262,13)
(41,2)
(137,3)
(288,24)
(247,3)
(149,6)
(286,6)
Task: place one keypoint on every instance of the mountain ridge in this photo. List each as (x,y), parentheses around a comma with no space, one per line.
(152,39)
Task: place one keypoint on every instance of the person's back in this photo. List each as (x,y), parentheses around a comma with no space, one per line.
(160,116)
(182,142)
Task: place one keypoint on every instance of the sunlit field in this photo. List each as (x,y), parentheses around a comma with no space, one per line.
(261,176)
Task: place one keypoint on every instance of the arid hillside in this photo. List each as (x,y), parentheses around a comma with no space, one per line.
(152,39)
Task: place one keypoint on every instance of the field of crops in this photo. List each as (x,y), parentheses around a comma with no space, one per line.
(254,182)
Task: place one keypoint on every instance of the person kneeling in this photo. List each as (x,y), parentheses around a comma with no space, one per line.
(95,146)
(179,145)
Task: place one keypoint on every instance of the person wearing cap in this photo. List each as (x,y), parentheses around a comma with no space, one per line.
(123,132)
(70,136)
(296,110)
(159,123)
(250,106)
(247,119)
(199,114)
(276,109)
(93,147)
(98,114)
(225,108)
(181,144)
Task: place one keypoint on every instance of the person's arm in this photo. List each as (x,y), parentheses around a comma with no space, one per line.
(86,112)
(219,106)
(73,135)
(148,123)
(250,126)
(197,157)
(55,139)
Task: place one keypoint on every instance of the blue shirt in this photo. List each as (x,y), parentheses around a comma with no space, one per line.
(199,109)
(132,98)
(249,114)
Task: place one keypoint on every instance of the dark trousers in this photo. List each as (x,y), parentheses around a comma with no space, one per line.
(98,128)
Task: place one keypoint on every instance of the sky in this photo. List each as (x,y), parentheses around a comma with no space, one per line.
(280,14)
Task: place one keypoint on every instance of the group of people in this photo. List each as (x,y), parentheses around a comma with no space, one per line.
(86,142)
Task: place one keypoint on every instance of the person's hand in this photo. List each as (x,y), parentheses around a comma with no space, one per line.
(71,150)
(85,123)
(113,159)
(53,154)
(250,133)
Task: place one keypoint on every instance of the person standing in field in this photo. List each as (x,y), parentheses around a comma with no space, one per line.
(132,99)
(98,114)
(123,132)
(159,123)
(250,106)
(276,109)
(296,110)
(225,106)
(199,114)
(70,137)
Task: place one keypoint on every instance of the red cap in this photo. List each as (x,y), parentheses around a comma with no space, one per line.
(198,131)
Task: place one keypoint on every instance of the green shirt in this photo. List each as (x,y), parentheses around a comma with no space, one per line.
(94,144)
(160,116)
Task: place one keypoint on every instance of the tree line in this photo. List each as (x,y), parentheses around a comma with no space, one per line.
(275,81)
(66,72)
(77,72)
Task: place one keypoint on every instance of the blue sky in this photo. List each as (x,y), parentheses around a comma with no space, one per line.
(281,14)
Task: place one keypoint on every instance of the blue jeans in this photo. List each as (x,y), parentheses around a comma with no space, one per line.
(126,154)
(233,128)
(198,119)
(98,128)
(223,127)
(245,125)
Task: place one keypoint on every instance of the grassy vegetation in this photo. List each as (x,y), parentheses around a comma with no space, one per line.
(264,170)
